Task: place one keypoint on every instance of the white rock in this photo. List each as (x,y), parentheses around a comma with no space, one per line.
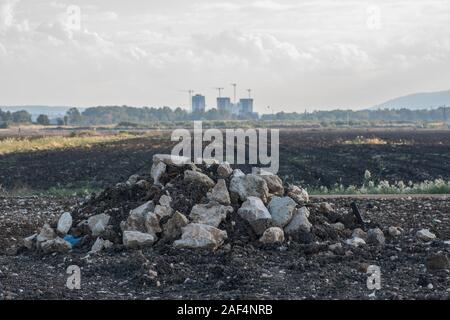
(198,178)
(158,169)
(394,231)
(172,229)
(100,244)
(201,236)
(97,224)
(355,242)
(425,235)
(274,183)
(46,233)
(376,236)
(220,193)
(152,225)
(143,209)
(249,185)
(254,211)
(64,223)
(272,235)
(299,222)
(29,242)
(211,214)
(163,211)
(298,194)
(56,245)
(224,170)
(281,210)
(171,160)
(339,226)
(136,239)
(165,200)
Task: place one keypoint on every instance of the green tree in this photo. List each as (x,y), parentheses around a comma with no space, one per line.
(42,119)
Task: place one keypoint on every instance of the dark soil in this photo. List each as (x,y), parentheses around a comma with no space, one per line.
(312,158)
(239,271)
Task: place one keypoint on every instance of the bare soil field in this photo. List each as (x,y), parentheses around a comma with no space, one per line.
(243,267)
(240,271)
(311,158)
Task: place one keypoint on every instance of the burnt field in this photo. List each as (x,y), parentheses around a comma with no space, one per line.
(310,158)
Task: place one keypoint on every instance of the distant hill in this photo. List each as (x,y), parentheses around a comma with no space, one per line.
(424,100)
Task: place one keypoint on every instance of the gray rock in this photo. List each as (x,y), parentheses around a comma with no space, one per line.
(355,242)
(437,261)
(249,185)
(299,222)
(211,213)
(281,210)
(201,236)
(376,236)
(394,231)
(224,170)
(274,184)
(100,244)
(298,194)
(165,200)
(325,208)
(133,179)
(64,223)
(97,224)
(338,226)
(30,241)
(425,235)
(172,229)
(220,193)
(56,245)
(163,211)
(198,178)
(136,239)
(272,235)
(143,209)
(171,160)
(46,233)
(336,248)
(359,233)
(257,215)
(152,225)
(158,169)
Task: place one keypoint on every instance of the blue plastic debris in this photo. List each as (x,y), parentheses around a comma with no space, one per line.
(72,240)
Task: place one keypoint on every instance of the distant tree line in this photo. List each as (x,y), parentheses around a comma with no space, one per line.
(108,115)
(387,115)
(124,114)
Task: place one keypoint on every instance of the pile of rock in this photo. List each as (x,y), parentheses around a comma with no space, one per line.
(204,206)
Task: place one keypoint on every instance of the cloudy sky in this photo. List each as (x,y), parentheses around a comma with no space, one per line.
(294,54)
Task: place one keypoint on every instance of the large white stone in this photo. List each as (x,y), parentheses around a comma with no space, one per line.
(281,210)
(198,178)
(272,235)
(97,224)
(171,160)
(224,170)
(274,183)
(425,235)
(64,223)
(299,222)
(220,193)
(157,170)
(298,194)
(201,236)
(257,215)
(136,239)
(250,185)
(211,213)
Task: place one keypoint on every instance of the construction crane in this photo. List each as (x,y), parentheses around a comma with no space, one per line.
(234,90)
(249,93)
(190,91)
(220,91)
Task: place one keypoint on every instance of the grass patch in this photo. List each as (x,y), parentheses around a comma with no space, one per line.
(438,186)
(29,144)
